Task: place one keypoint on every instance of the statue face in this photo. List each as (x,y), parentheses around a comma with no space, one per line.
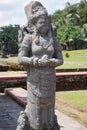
(42,24)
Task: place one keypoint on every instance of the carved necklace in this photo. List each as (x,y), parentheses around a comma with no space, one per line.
(44,43)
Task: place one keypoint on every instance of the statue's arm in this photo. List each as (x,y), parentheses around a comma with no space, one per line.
(57,59)
(25,48)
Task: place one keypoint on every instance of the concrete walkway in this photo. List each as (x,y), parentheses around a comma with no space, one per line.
(9,112)
(67,123)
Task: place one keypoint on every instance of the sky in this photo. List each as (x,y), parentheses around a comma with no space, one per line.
(12,11)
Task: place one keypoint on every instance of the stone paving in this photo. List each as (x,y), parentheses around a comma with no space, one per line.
(9,112)
(66,123)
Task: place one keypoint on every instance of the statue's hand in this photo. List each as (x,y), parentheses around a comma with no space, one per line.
(35,61)
(54,62)
(44,61)
(30,60)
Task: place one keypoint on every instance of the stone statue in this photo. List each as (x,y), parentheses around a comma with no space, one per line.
(40,52)
(4,50)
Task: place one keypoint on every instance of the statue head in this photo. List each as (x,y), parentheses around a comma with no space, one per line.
(37,15)
(34,10)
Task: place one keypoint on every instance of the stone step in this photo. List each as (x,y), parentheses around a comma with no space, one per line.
(19,94)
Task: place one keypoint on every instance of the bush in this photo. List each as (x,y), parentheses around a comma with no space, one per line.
(67,55)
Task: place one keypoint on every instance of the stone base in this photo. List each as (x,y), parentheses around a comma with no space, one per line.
(23,123)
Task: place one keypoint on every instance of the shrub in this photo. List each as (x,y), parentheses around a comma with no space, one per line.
(67,55)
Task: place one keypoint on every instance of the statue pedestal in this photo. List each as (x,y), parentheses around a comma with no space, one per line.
(23,123)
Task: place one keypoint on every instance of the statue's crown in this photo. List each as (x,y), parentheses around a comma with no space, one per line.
(34,9)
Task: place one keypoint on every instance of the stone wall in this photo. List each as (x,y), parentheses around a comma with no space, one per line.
(11,67)
(73,82)
(12,83)
(71,70)
(3,67)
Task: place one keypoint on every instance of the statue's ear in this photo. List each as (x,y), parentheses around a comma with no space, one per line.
(20,35)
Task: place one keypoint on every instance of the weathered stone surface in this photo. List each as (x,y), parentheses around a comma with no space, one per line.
(9,112)
(40,52)
(4,67)
(71,82)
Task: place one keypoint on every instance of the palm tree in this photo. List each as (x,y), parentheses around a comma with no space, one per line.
(73,18)
(67,4)
(82,3)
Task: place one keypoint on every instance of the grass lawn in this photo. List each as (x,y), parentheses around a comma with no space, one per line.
(12,73)
(76,55)
(74,104)
(77,59)
(71,66)
(9,60)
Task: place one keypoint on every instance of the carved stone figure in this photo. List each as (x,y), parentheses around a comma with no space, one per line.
(40,52)
(4,50)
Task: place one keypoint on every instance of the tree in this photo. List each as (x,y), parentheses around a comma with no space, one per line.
(58,18)
(74,18)
(67,4)
(9,37)
(82,11)
(70,21)
(70,32)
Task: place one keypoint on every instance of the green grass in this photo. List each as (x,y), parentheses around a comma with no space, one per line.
(77,59)
(71,66)
(9,60)
(76,55)
(78,98)
(74,104)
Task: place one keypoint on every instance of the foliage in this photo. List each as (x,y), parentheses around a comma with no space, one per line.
(67,55)
(69,31)
(76,12)
(9,38)
(82,9)
(71,21)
